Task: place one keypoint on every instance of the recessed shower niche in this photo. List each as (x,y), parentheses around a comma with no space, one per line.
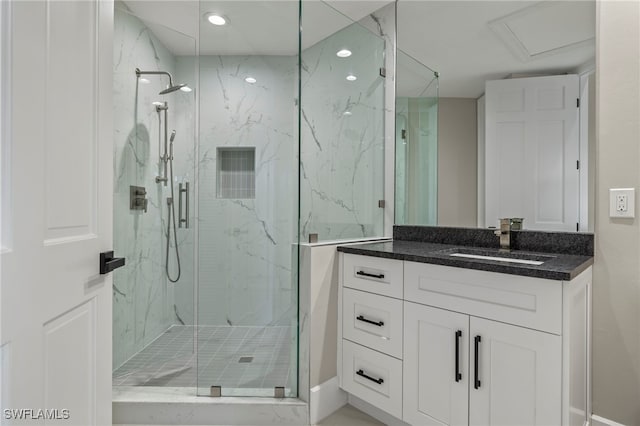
(236,172)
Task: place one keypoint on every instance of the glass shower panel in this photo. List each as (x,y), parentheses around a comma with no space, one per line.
(416,150)
(341,127)
(153,332)
(247,199)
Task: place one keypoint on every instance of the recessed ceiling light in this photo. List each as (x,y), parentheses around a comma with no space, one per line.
(344,53)
(186,89)
(250,80)
(347,113)
(352,77)
(216,19)
(144,80)
(157,103)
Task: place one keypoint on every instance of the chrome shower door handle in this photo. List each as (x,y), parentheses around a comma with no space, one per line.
(184,190)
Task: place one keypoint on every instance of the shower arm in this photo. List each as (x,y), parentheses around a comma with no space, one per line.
(139,73)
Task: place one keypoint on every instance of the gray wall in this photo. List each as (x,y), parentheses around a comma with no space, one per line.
(616,291)
(457,162)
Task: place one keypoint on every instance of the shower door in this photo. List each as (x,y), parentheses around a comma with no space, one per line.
(247,304)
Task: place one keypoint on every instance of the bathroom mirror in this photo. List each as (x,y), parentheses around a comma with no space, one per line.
(468,152)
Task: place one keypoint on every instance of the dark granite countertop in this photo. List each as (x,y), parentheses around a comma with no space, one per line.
(556,266)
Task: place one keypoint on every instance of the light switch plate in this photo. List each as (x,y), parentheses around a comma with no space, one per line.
(622,202)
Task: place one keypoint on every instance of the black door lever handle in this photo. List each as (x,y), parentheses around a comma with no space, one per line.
(108,263)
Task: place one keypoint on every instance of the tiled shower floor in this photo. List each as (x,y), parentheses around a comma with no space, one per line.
(229,356)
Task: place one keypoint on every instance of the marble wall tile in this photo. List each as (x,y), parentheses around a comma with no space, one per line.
(245,259)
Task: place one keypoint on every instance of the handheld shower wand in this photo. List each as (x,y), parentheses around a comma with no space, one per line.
(171,138)
(171,219)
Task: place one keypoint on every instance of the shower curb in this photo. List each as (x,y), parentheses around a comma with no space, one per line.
(172,406)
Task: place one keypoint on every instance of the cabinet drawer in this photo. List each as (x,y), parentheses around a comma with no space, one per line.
(529,302)
(373,377)
(372,320)
(373,274)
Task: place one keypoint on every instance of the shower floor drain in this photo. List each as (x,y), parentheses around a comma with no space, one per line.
(245,359)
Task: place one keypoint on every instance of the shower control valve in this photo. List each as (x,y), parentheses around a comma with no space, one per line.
(138,198)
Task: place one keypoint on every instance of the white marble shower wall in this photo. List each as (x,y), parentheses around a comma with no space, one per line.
(342,136)
(143,300)
(245,256)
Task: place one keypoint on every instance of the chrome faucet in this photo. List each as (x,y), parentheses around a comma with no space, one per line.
(507,225)
(504,233)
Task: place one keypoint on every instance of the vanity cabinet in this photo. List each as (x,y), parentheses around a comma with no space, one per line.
(475,347)
(371,322)
(459,368)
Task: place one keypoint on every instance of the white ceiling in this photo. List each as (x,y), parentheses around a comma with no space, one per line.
(457,39)
(466,42)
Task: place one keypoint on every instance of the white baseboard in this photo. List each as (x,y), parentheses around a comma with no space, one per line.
(325,399)
(601,421)
(375,412)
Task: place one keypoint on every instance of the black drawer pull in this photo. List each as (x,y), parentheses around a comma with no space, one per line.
(458,373)
(361,373)
(365,274)
(476,379)
(108,263)
(378,323)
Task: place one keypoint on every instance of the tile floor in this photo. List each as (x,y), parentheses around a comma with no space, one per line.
(223,358)
(345,416)
(349,416)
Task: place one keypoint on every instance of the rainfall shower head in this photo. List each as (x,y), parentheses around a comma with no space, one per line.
(172,89)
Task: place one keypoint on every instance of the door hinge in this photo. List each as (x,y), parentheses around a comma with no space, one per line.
(383,72)
(577,227)
(578,102)
(578,165)
(381,204)
(404,134)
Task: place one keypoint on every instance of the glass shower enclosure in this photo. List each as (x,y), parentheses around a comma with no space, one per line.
(211,305)
(252,137)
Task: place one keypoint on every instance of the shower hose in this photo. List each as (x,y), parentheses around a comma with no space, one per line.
(172,219)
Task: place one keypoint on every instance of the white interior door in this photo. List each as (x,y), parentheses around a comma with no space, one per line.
(531,151)
(57,188)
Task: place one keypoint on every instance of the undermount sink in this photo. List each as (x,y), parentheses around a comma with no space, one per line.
(493,255)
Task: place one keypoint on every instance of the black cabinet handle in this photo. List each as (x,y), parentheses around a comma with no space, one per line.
(458,374)
(378,323)
(476,379)
(108,263)
(365,274)
(362,373)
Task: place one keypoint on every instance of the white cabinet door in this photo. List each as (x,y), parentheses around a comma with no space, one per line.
(531,150)
(518,376)
(58,186)
(436,373)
